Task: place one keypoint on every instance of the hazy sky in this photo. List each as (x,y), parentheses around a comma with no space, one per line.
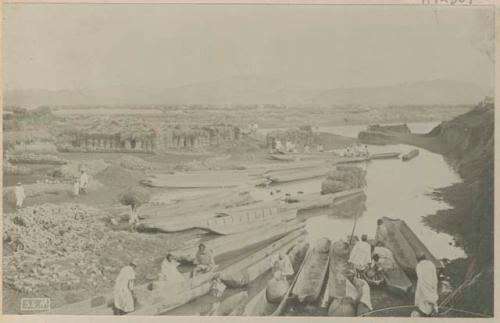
(93,46)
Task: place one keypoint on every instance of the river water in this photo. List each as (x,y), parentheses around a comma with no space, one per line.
(395,189)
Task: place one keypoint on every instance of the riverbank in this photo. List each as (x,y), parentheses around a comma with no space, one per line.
(466,142)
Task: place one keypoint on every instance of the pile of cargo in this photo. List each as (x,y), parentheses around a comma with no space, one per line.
(33,158)
(344,178)
(52,245)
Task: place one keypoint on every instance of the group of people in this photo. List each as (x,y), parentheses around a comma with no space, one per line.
(370,261)
(290,147)
(356,151)
(124,298)
(79,186)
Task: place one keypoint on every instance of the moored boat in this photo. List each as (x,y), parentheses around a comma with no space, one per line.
(339,254)
(293,176)
(249,269)
(412,154)
(235,242)
(310,281)
(405,245)
(348,160)
(396,281)
(259,305)
(385,155)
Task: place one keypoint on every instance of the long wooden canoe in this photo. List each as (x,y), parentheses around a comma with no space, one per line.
(234,223)
(348,160)
(385,155)
(339,255)
(311,279)
(293,176)
(196,204)
(282,158)
(259,305)
(405,245)
(397,282)
(233,305)
(222,221)
(412,154)
(235,242)
(317,200)
(247,270)
(205,179)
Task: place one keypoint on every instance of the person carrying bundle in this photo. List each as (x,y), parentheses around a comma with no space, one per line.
(361,254)
(203,260)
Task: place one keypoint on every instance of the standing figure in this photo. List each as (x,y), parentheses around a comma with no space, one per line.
(84,182)
(359,290)
(133,219)
(283,265)
(381,234)
(76,187)
(123,290)
(20,195)
(426,293)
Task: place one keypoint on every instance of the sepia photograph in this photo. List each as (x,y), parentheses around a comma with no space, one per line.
(300,160)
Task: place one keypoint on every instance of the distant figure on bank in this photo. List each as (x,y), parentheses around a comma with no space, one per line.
(203,260)
(359,290)
(283,265)
(367,153)
(381,234)
(306,148)
(169,272)
(123,291)
(133,219)
(84,182)
(76,187)
(361,254)
(426,293)
(319,148)
(278,145)
(20,195)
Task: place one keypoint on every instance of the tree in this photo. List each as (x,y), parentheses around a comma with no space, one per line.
(135,197)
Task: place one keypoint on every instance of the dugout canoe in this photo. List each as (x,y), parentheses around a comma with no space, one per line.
(225,244)
(205,179)
(396,281)
(233,305)
(385,155)
(221,221)
(259,305)
(405,245)
(249,269)
(194,204)
(412,154)
(339,255)
(311,201)
(298,175)
(282,158)
(405,311)
(163,298)
(310,281)
(349,160)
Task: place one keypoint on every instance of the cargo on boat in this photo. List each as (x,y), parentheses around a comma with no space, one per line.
(405,245)
(259,305)
(235,242)
(249,269)
(311,279)
(385,156)
(412,154)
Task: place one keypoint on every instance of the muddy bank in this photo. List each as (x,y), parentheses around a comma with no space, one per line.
(466,142)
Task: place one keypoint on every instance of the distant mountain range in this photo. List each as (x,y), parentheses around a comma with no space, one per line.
(258,90)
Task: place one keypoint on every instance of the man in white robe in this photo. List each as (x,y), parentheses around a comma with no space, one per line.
(124,286)
(169,272)
(426,293)
(20,195)
(361,254)
(284,265)
(84,182)
(386,259)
